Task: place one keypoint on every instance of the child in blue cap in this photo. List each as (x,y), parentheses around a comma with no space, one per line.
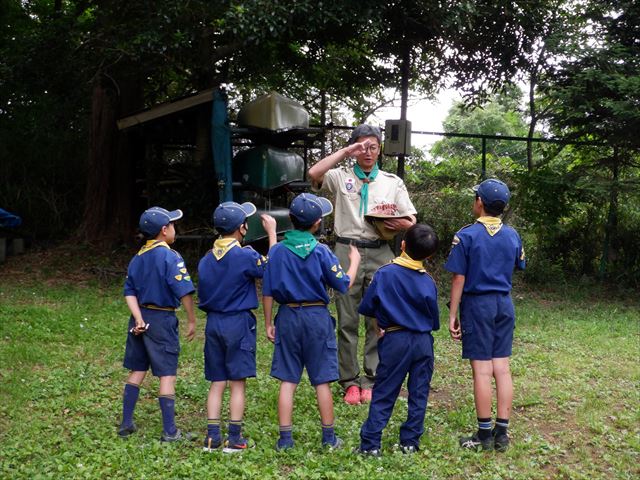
(482,260)
(157,282)
(403,299)
(299,271)
(227,292)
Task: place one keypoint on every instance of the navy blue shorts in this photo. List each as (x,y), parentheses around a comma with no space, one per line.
(230,346)
(158,347)
(487,323)
(305,337)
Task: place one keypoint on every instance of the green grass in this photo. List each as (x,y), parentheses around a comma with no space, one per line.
(576,406)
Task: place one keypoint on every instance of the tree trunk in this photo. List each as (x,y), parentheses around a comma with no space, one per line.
(109,211)
(611,226)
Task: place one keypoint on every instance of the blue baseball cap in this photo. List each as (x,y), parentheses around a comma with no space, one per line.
(153,219)
(493,190)
(228,216)
(307,208)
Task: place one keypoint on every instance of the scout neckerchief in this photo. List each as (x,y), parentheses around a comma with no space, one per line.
(366,179)
(222,245)
(299,242)
(492,224)
(406,261)
(151,244)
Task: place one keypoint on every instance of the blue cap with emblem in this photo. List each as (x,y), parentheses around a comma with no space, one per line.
(228,216)
(493,190)
(153,219)
(308,208)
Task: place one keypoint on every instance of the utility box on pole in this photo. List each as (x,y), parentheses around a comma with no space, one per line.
(397,137)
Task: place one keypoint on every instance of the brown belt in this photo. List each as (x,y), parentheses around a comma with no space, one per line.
(306,304)
(156,307)
(393,328)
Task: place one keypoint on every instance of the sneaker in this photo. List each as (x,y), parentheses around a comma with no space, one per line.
(409,449)
(239,445)
(500,442)
(352,395)
(177,437)
(336,445)
(211,444)
(474,443)
(374,452)
(280,445)
(365,395)
(125,430)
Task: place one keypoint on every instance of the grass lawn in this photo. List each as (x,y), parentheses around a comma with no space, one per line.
(62,332)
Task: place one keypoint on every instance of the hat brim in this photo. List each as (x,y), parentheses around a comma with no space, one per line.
(175,215)
(248,208)
(325,205)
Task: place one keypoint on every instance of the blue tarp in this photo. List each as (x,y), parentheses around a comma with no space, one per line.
(9,220)
(221,145)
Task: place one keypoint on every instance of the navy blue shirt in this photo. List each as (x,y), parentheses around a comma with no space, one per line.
(291,279)
(228,284)
(486,261)
(158,276)
(402,296)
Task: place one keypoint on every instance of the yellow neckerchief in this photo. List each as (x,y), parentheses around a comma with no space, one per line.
(222,245)
(151,244)
(492,224)
(406,261)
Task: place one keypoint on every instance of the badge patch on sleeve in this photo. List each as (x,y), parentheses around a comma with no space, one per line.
(183,270)
(455,241)
(334,268)
(178,277)
(522,254)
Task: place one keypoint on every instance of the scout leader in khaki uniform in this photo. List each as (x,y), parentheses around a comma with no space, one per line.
(361,189)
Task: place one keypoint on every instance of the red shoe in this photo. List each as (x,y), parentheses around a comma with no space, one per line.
(352,396)
(365,395)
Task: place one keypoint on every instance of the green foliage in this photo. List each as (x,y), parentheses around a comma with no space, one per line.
(60,405)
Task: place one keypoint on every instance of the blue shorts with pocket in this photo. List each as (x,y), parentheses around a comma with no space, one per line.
(305,337)
(157,347)
(230,346)
(487,323)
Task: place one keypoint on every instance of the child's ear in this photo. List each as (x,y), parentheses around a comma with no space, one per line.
(402,245)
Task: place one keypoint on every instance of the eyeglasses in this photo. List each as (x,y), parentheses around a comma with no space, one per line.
(372,148)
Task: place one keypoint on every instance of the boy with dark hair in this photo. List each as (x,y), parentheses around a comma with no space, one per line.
(157,282)
(482,261)
(227,292)
(299,271)
(403,299)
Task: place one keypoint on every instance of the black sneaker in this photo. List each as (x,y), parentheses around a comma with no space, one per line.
(474,443)
(409,449)
(211,444)
(177,437)
(374,452)
(500,442)
(125,430)
(336,445)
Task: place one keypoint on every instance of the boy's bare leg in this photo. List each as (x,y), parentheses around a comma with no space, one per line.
(168,385)
(285,415)
(237,399)
(285,403)
(325,403)
(325,406)
(214,400)
(167,400)
(504,386)
(136,377)
(214,410)
(482,391)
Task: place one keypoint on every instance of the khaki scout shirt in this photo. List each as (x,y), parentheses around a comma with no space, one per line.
(387,191)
